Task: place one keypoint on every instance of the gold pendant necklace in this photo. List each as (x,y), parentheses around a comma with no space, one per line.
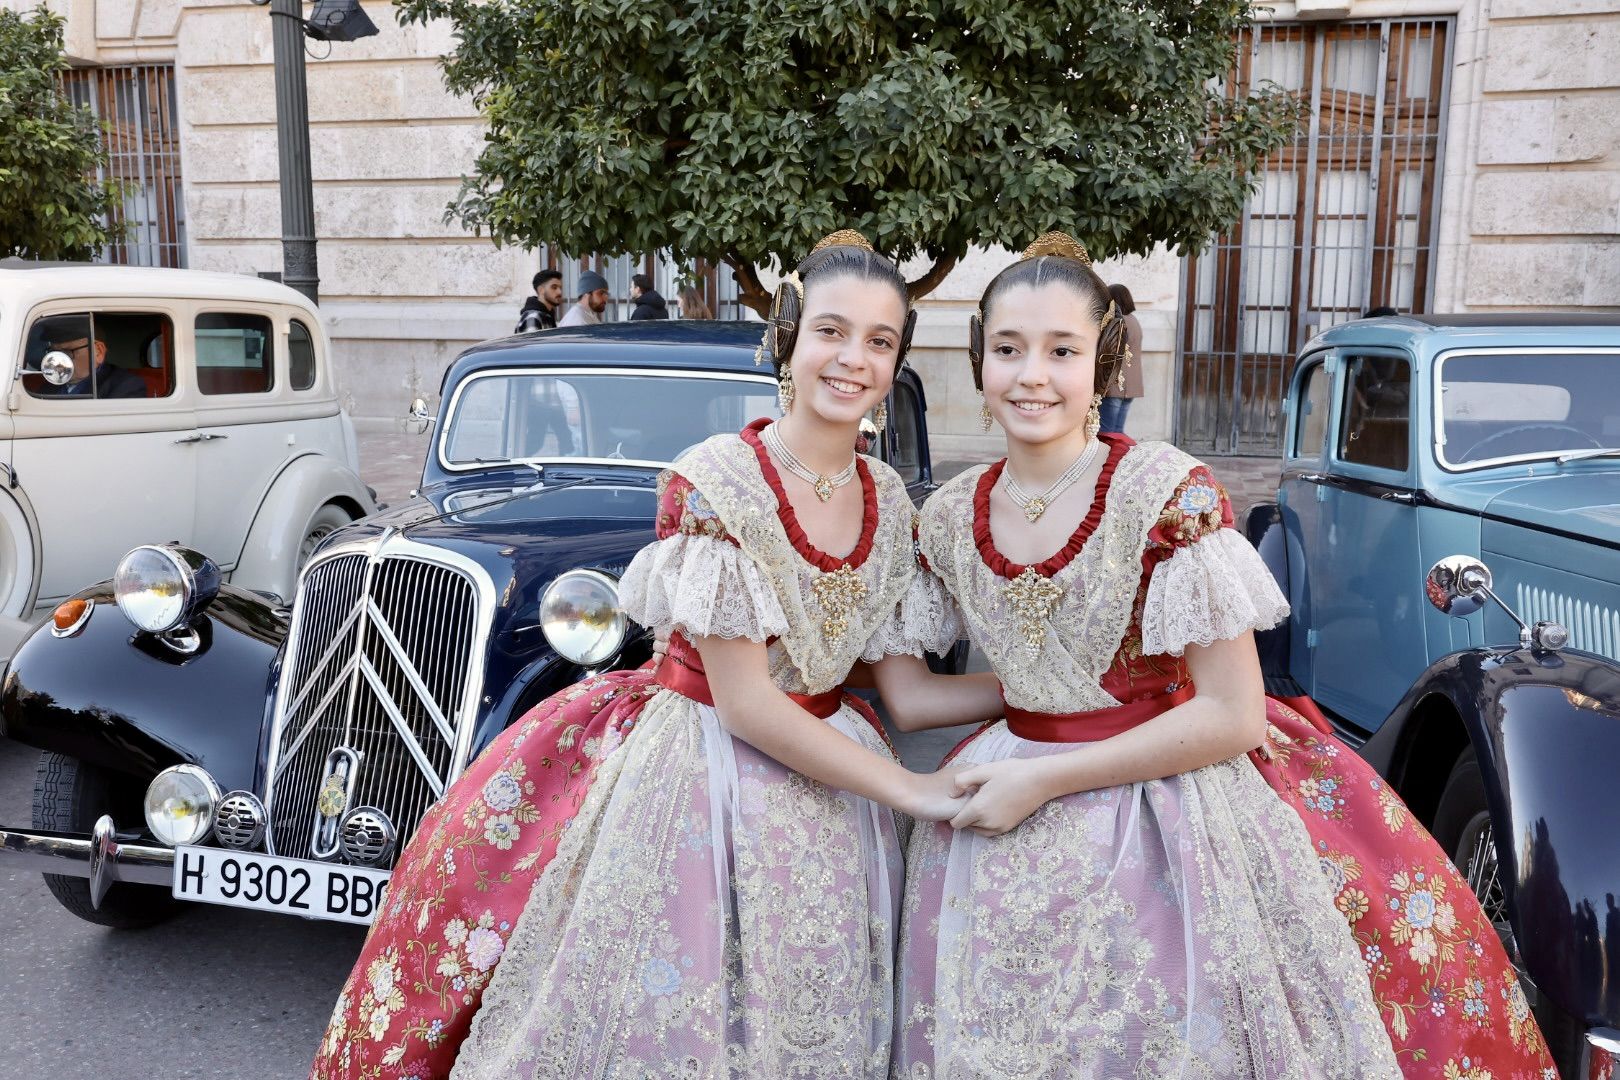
(1036,505)
(823,485)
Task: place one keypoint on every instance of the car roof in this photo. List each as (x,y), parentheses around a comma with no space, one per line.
(28,282)
(688,344)
(1429,335)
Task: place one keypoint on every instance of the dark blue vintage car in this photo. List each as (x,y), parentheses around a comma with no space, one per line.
(1448,533)
(202,743)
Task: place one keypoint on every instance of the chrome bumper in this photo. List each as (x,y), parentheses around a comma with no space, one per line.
(99,857)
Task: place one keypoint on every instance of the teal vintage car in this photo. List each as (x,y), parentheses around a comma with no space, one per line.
(1447,529)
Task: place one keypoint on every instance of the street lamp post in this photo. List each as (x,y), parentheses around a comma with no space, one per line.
(292,150)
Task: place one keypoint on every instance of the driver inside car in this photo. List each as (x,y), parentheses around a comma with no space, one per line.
(72,336)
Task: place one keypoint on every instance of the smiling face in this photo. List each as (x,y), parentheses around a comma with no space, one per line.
(1040,361)
(843,360)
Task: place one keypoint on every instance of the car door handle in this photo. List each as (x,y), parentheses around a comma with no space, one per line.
(1312,477)
(1399,496)
(200,436)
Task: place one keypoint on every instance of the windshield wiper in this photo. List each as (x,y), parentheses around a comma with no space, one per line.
(1587,455)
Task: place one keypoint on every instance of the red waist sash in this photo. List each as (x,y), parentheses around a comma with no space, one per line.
(682,672)
(1092,726)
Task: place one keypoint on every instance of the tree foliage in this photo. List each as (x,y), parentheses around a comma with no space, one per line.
(50,204)
(744,131)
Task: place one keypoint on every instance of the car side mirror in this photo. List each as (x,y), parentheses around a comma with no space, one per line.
(1457,585)
(419,412)
(55,366)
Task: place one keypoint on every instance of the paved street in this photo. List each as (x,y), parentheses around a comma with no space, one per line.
(219,992)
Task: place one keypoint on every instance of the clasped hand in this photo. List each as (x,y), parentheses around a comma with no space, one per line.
(1001,794)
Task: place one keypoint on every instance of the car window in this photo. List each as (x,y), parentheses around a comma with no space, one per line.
(1505,404)
(115,354)
(619,415)
(907,460)
(1311,430)
(1376,429)
(300,355)
(235,353)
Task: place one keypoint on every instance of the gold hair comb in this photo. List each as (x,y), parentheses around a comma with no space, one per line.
(1060,244)
(843,238)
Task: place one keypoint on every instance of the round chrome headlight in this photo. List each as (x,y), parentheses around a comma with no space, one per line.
(580,615)
(180,804)
(160,587)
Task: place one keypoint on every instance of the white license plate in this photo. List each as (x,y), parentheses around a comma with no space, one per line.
(315,890)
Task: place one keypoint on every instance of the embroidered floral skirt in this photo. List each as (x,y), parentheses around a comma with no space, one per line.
(1444,986)
(708,914)
(1172,928)
(462,881)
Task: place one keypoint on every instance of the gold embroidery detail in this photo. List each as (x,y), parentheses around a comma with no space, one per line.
(839,594)
(1033,599)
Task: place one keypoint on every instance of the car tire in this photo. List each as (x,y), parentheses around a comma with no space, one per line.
(327,520)
(1461,826)
(69,796)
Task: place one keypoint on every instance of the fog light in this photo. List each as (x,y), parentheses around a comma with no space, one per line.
(367,836)
(180,805)
(239,822)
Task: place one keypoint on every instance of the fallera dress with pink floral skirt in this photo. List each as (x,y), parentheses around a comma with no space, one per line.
(618,887)
(1256,918)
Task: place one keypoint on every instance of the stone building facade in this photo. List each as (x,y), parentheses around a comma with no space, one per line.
(1463,155)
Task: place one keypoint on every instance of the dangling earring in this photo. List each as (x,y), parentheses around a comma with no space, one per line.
(784,389)
(880,418)
(1094,417)
(985,419)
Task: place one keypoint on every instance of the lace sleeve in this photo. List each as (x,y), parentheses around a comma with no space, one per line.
(703,586)
(1208,591)
(925,620)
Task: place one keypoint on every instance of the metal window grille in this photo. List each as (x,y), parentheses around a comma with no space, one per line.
(139,112)
(1341,220)
(716,281)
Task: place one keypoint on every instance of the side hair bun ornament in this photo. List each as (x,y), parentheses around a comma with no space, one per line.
(1060,244)
(843,238)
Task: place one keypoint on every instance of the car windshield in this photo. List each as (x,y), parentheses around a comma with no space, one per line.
(641,417)
(1506,405)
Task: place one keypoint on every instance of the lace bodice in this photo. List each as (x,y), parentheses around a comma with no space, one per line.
(1154,568)
(732,562)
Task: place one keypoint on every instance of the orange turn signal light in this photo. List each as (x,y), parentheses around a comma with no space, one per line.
(69,616)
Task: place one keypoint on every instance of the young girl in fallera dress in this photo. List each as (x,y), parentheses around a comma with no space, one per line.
(1126,894)
(679,875)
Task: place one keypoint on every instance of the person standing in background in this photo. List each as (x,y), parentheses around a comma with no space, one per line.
(692,305)
(593,300)
(1120,395)
(648,304)
(539,312)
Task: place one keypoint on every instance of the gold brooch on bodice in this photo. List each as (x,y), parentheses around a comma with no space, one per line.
(838,593)
(1033,599)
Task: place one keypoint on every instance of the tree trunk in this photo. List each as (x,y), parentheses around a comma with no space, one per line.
(749,290)
(926,284)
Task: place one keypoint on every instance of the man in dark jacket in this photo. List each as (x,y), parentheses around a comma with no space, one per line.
(649,305)
(72,335)
(540,310)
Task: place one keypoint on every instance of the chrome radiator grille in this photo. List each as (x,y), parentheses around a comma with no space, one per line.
(1592,627)
(384,660)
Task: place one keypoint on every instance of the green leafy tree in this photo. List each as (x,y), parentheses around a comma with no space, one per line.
(50,204)
(743,131)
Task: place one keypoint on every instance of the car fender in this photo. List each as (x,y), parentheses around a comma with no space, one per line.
(21,528)
(124,700)
(1545,728)
(1263,525)
(268,561)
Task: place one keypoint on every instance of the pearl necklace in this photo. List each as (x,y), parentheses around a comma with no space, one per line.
(1035,506)
(824,485)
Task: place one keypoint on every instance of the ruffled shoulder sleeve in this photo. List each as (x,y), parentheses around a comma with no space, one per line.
(695,578)
(1207,583)
(926,619)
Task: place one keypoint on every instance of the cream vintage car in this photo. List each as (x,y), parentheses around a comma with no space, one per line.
(150,406)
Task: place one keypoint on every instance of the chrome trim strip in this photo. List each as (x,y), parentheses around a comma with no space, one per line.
(444,428)
(1438,436)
